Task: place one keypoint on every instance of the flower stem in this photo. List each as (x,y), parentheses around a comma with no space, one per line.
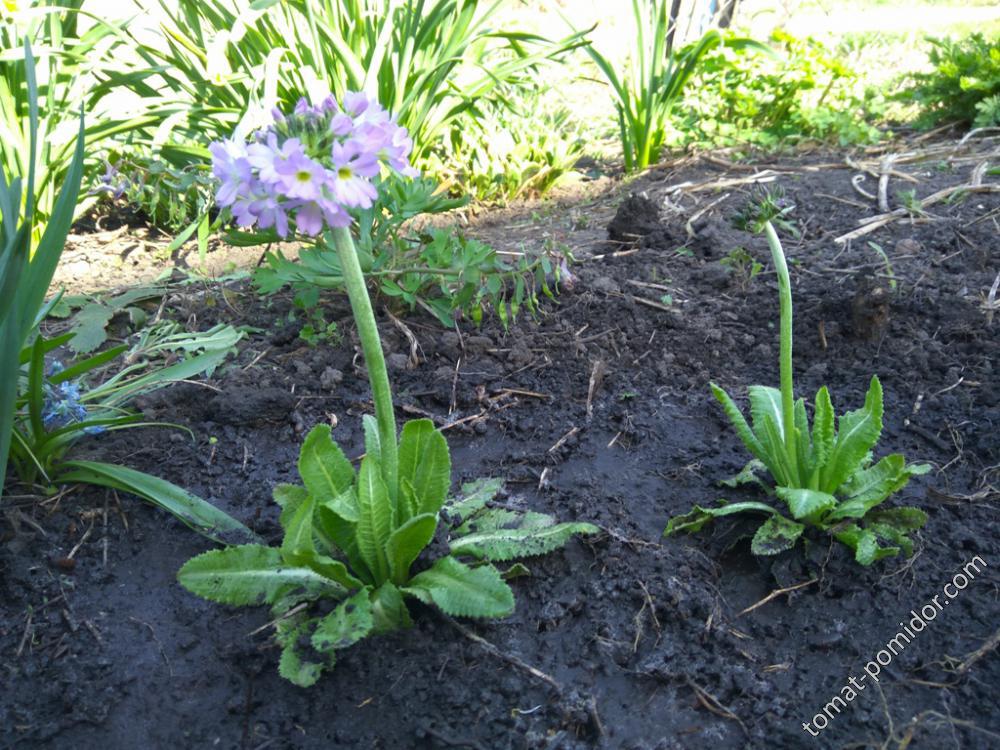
(371,346)
(785,356)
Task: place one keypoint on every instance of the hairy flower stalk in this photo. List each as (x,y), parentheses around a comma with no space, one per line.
(785,356)
(371,345)
(305,174)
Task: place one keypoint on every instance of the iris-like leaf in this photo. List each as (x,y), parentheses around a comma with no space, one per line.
(192,510)
(775,535)
(462,591)
(247,574)
(424,463)
(407,542)
(324,468)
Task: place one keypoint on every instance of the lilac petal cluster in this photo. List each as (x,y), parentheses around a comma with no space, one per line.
(309,169)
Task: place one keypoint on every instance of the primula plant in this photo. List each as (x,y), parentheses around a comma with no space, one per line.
(824,475)
(344,569)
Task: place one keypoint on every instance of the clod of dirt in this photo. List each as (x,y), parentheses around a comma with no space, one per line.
(330,378)
(636,217)
(870,310)
(246,407)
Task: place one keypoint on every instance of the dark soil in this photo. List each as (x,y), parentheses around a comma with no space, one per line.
(644,635)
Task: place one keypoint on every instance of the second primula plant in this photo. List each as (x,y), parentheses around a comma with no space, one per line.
(825,474)
(352,538)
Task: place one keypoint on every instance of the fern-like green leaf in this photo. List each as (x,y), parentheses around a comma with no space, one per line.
(463,591)
(424,463)
(346,625)
(857,433)
(506,544)
(375,518)
(247,574)
(324,468)
(407,542)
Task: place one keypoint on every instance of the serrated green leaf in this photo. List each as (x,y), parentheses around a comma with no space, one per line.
(473,497)
(698,516)
(424,462)
(739,422)
(289,497)
(904,519)
(346,625)
(375,518)
(389,611)
(506,544)
(247,574)
(766,402)
(407,542)
(294,665)
(823,429)
(803,449)
(746,475)
(299,531)
(857,433)
(869,487)
(324,468)
(373,446)
(776,535)
(462,591)
(807,505)
(326,566)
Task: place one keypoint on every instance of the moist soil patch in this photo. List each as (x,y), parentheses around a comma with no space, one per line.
(599,410)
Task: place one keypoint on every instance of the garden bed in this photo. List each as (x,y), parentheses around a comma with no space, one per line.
(598,410)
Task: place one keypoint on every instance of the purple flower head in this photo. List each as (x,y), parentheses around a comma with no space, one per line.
(352,165)
(310,169)
(231,168)
(301,178)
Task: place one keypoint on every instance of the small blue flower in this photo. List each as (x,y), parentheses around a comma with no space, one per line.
(61,404)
